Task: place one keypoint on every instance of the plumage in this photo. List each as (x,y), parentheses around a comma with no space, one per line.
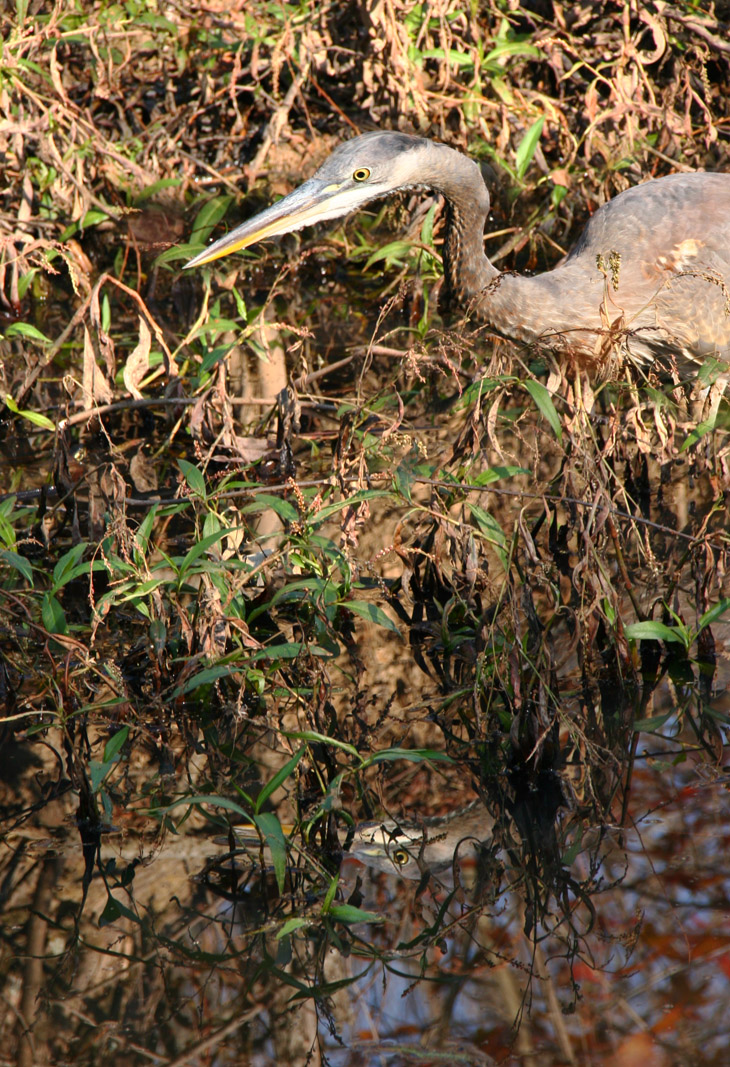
(651,270)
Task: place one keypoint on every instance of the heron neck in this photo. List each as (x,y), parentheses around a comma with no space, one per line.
(467,270)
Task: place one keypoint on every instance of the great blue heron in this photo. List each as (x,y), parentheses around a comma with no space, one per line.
(651,269)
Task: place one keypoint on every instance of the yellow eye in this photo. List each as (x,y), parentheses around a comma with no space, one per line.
(400,857)
(361,174)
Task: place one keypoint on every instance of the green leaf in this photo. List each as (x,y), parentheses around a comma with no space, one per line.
(372,613)
(495,474)
(272,833)
(24,329)
(330,894)
(144,530)
(156,187)
(32,416)
(18,563)
(527,147)
(200,547)
(265,501)
(653,725)
(393,253)
(212,799)
(291,925)
(654,631)
(317,738)
(279,778)
(209,216)
(347,913)
(115,910)
(91,218)
(97,773)
(545,405)
(115,744)
(714,613)
(193,477)
(413,755)
(208,676)
(351,501)
(697,433)
(290,650)
(53,615)
(511,48)
(492,531)
(66,565)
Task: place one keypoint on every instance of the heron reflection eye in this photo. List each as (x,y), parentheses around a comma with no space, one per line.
(361,174)
(400,857)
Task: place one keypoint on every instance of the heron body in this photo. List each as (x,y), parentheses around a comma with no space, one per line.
(651,270)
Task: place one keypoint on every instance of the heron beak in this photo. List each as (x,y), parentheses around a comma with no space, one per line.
(311,202)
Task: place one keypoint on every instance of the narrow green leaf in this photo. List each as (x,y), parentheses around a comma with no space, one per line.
(714,613)
(372,613)
(115,910)
(37,419)
(18,563)
(351,501)
(654,631)
(193,477)
(154,188)
(209,215)
(413,755)
(393,252)
(207,676)
(24,329)
(212,799)
(317,738)
(97,773)
(115,744)
(66,563)
(273,835)
(653,725)
(347,913)
(200,547)
(290,650)
(53,615)
(492,531)
(527,147)
(279,778)
(696,434)
(291,925)
(330,894)
(495,474)
(545,405)
(265,501)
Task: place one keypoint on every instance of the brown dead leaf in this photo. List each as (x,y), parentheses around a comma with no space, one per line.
(138,363)
(96,389)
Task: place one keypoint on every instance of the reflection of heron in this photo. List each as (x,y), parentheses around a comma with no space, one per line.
(652,265)
(408,848)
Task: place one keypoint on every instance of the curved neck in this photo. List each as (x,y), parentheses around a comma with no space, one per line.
(467,270)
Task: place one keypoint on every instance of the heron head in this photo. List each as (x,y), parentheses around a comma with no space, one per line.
(409,850)
(360,170)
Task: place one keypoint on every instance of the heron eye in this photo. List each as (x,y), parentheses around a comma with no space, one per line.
(400,857)
(361,174)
